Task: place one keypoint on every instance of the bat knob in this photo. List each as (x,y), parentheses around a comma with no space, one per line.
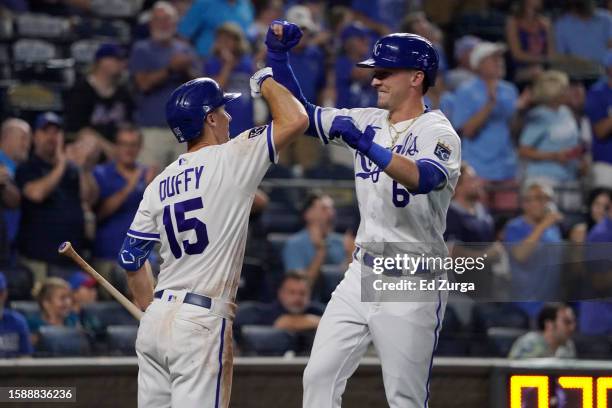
(64,246)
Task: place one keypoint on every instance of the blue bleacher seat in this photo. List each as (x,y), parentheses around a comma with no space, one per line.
(103,314)
(487,315)
(593,347)
(501,339)
(20,282)
(42,26)
(63,341)
(28,308)
(122,339)
(266,341)
(280,218)
(331,275)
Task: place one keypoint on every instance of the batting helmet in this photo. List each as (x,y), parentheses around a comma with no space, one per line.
(403,50)
(189,105)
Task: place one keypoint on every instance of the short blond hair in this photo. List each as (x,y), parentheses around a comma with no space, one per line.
(549,85)
(44,291)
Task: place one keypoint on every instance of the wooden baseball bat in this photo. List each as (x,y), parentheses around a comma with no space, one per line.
(66,249)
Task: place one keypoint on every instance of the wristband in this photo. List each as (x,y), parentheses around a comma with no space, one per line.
(278,55)
(379,155)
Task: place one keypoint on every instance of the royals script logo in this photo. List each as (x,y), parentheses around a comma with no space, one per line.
(371,171)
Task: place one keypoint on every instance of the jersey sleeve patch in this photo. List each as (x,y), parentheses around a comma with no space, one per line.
(256,131)
(442,151)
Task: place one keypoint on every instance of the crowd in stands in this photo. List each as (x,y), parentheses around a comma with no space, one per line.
(527,84)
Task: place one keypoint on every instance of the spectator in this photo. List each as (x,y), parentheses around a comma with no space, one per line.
(584,31)
(231,66)
(56,186)
(292,311)
(353,87)
(599,203)
(596,316)
(382,14)
(205,16)
(550,140)
(534,276)
(15,142)
(83,290)
(122,184)
(266,11)
(530,39)
(598,109)
(159,64)
(55,302)
(14,333)
(416,22)
(576,102)
(470,230)
(101,100)
(317,244)
(463,72)
(482,113)
(556,325)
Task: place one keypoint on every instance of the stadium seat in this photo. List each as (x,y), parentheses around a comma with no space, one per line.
(30,51)
(116,8)
(453,342)
(63,341)
(83,51)
(501,339)
(118,30)
(122,339)
(331,276)
(42,26)
(487,315)
(266,341)
(280,218)
(593,347)
(28,308)
(98,316)
(330,170)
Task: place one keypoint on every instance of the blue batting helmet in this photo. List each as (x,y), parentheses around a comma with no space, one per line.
(403,50)
(190,103)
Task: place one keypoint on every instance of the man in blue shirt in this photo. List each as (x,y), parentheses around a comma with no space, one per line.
(122,184)
(584,31)
(205,16)
(15,142)
(482,113)
(14,333)
(598,108)
(534,258)
(160,64)
(317,244)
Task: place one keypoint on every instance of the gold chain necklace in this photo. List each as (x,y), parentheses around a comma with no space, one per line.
(393,130)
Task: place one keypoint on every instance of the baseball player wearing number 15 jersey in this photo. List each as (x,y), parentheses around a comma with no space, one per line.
(198,210)
(407,161)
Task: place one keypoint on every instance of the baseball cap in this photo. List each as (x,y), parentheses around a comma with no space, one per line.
(301,16)
(79,279)
(483,50)
(2,281)
(465,44)
(109,50)
(48,118)
(353,30)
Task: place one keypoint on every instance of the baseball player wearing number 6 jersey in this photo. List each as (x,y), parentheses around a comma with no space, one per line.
(407,161)
(198,210)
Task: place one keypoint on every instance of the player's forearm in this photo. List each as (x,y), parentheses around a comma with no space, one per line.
(476,122)
(288,114)
(141,285)
(404,171)
(38,190)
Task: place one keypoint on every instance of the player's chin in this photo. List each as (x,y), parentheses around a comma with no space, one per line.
(383,100)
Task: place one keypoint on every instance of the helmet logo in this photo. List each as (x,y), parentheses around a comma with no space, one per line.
(377,48)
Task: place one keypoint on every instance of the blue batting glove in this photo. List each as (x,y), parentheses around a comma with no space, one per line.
(290,38)
(346,128)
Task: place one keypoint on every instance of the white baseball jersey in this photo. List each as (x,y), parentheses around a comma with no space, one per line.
(389,213)
(198,208)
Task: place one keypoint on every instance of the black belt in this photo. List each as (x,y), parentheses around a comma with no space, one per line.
(191,298)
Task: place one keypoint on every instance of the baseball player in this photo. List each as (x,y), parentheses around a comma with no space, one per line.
(198,210)
(407,160)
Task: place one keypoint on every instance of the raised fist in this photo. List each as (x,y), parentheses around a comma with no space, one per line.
(282,36)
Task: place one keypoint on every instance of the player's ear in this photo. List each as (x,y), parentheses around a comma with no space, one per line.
(418,78)
(211,119)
